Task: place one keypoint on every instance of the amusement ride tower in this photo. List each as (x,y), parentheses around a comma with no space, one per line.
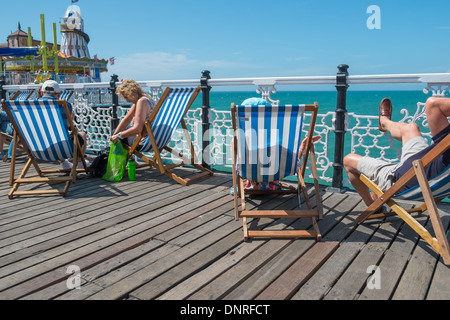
(74,42)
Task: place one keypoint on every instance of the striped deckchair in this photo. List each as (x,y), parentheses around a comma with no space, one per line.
(428,191)
(66,94)
(21,95)
(39,126)
(160,126)
(266,148)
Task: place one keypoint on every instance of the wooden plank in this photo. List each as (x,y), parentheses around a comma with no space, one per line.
(394,262)
(120,264)
(336,206)
(247,250)
(127,285)
(101,222)
(89,284)
(91,259)
(282,234)
(355,276)
(273,214)
(102,281)
(220,277)
(247,275)
(289,282)
(157,286)
(439,287)
(352,240)
(416,279)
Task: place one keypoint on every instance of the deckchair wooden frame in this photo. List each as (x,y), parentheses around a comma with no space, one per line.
(312,213)
(156,160)
(18,140)
(10,140)
(439,243)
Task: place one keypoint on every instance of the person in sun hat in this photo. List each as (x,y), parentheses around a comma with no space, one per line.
(51,90)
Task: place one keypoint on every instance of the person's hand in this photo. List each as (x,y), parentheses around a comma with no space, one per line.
(314,139)
(114,138)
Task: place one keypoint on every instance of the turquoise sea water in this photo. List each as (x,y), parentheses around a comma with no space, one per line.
(359,102)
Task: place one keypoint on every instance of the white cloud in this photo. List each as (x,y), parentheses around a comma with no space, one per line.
(167,66)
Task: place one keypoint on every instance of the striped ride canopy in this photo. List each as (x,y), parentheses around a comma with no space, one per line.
(42,127)
(268,141)
(439,185)
(169,117)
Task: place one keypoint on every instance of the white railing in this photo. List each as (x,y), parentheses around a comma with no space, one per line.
(92,106)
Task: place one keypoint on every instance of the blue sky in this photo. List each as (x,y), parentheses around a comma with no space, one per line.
(177,39)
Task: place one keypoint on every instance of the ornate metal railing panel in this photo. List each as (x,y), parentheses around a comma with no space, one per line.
(92,105)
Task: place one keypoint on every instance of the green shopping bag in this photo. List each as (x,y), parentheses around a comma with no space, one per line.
(116,162)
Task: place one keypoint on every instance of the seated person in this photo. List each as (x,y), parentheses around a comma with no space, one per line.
(50,90)
(7,128)
(385,174)
(133,123)
(273,185)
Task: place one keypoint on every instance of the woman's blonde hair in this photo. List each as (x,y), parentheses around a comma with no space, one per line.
(131,89)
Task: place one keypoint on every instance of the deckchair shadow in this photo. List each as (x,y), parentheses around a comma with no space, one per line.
(430,191)
(266,148)
(160,127)
(39,126)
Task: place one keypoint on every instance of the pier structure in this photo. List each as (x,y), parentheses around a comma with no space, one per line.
(154,239)
(98,109)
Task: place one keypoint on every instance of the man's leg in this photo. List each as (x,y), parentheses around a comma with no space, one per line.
(437,109)
(399,130)
(351,168)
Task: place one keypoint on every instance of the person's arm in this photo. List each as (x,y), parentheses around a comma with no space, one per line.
(123,124)
(303,144)
(139,112)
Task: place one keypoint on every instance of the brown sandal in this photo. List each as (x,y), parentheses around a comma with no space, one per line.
(384,111)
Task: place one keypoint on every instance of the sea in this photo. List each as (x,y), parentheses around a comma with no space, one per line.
(359,102)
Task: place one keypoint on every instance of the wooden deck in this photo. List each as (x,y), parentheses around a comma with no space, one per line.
(155,239)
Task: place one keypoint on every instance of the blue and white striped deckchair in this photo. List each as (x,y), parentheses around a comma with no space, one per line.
(429,191)
(439,185)
(22,95)
(266,148)
(159,128)
(39,125)
(66,94)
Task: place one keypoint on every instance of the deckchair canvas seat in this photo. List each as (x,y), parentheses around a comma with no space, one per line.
(66,94)
(39,127)
(22,95)
(266,148)
(160,127)
(429,191)
(439,185)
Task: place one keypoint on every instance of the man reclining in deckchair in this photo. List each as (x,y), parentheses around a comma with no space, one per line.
(385,174)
